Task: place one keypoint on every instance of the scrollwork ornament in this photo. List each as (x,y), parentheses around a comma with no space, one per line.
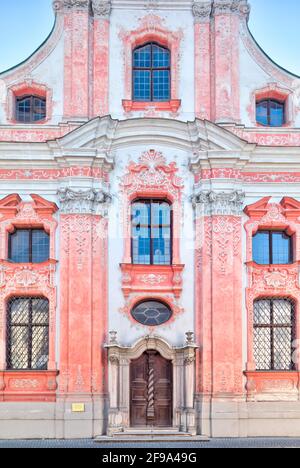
(202,11)
(101,8)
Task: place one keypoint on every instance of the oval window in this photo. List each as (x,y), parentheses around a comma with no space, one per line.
(151,313)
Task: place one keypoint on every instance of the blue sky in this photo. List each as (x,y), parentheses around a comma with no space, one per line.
(24,24)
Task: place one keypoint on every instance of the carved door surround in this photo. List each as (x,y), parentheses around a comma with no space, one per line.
(183,377)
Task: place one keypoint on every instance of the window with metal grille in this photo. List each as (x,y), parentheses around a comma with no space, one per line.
(151,232)
(270,113)
(27,334)
(274,333)
(29,246)
(30,109)
(151,73)
(272,248)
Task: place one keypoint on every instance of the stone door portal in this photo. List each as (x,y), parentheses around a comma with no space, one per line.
(151,390)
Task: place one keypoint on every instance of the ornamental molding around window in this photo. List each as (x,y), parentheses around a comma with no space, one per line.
(27,279)
(135,299)
(150,178)
(151,29)
(277,93)
(28,88)
(271,281)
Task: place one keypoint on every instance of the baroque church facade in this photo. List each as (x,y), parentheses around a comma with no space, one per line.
(149,227)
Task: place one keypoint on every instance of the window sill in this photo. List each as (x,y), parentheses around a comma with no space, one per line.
(272,385)
(28,385)
(169,106)
(151,279)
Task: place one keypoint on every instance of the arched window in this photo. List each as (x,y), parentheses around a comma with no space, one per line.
(274,333)
(270,113)
(152,313)
(272,248)
(29,246)
(30,109)
(151,232)
(151,73)
(27,333)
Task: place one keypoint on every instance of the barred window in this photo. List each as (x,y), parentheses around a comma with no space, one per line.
(272,248)
(29,246)
(274,333)
(151,73)
(27,333)
(30,109)
(151,232)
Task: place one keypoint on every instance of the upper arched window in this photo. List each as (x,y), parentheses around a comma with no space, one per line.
(270,112)
(151,232)
(151,73)
(30,109)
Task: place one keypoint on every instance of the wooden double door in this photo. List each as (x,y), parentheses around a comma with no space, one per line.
(151,390)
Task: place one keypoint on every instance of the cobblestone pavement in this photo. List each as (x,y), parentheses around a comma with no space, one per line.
(215,443)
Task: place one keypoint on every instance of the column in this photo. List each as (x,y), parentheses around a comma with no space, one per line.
(101,23)
(83,273)
(202,13)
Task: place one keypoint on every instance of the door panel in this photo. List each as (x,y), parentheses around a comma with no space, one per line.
(151,391)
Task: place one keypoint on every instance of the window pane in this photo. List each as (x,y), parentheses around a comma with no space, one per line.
(262,312)
(161,85)
(19,311)
(261,248)
(40,246)
(19,246)
(276,114)
(262,113)
(282,312)
(40,347)
(262,348)
(141,233)
(283,349)
(281,244)
(161,233)
(23,110)
(142,57)
(141,85)
(39,109)
(19,339)
(161,57)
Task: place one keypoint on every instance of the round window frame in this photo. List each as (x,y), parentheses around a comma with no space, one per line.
(167,306)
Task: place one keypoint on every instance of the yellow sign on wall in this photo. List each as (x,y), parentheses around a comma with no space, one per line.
(78,407)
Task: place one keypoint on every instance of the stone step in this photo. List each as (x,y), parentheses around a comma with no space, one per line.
(172,438)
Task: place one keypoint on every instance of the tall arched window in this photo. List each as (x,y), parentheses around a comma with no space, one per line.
(27,333)
(151,73)
(274,333)
(151,232)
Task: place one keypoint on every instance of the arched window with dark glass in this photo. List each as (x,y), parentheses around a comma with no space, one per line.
(270,113)
(274,334)
(151,73)
(151,232)
(30,109)
(29,246)
(27,335)
(152,313)
(272,248)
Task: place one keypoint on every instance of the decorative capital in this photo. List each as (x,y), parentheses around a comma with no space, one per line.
(101,8)
(83,201)
(202,11)
(61,5)
(221,203)
(240,7)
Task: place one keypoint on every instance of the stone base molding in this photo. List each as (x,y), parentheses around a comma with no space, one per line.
(183,360)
